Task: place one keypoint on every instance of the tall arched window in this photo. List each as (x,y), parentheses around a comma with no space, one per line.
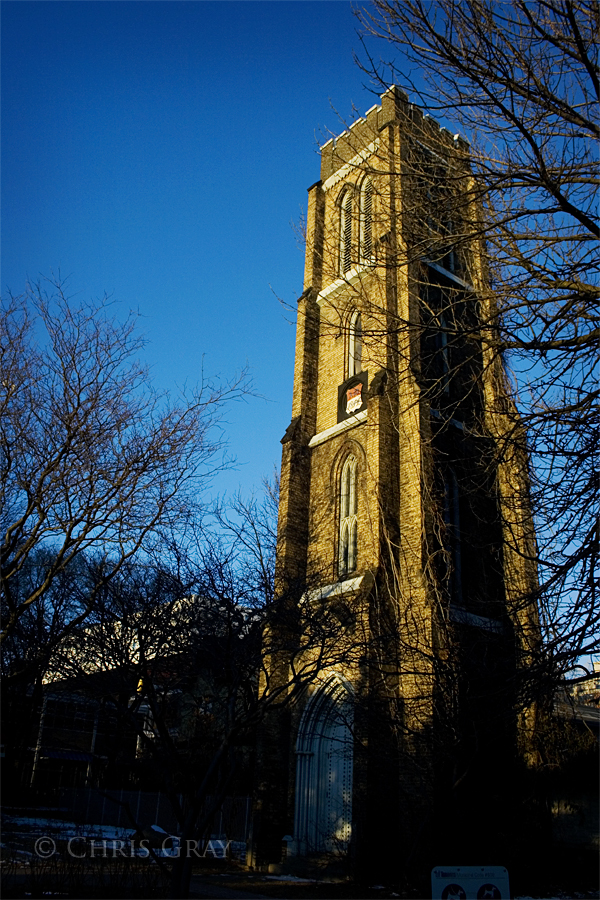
(348,508)
(453,542)
(355,344)
(366,221)
(443,352)
(346,232)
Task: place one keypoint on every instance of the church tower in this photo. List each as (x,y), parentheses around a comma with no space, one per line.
(403,523)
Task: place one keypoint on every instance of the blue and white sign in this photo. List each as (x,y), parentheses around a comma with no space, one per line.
(469,883)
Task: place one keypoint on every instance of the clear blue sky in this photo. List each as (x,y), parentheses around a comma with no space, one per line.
(159,151)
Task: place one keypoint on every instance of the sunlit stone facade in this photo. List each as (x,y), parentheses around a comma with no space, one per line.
(394,515)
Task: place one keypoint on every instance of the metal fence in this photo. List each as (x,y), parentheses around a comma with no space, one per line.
(118,808)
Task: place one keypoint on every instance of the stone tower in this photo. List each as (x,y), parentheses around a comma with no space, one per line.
(402,527)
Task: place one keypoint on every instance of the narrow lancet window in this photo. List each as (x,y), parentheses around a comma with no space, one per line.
(444,353)
(453,547)
(355,345)
(366,221)
(346,233)
(348,507)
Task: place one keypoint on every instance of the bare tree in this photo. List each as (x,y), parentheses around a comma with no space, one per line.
(249,529)
(95,463)
(522,79)
(183,650)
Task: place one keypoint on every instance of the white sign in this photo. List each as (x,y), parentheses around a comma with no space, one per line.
(469,883)
(353,398)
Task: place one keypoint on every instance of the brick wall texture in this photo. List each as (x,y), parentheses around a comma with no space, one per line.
(425,446)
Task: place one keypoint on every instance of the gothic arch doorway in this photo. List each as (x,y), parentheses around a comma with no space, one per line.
(324,753)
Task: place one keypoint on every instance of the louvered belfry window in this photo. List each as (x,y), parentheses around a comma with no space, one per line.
(366,216)
(346,233)
(453,535)
(348,508)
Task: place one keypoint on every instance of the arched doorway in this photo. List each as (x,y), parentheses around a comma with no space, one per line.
(323,813)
